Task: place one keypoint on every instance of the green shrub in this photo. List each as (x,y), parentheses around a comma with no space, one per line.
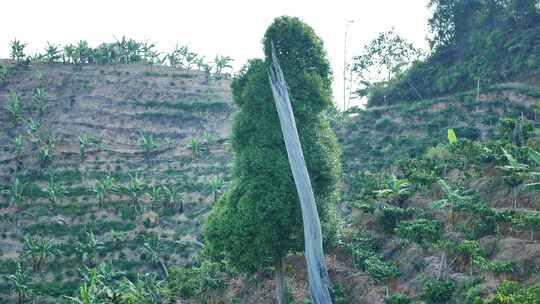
(513,293)
(380,270)
(436,291)
(421,231)
(392,215)
(398,298)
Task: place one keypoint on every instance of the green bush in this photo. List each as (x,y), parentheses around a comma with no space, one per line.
(398,298)
(514,293)
(421,231)
(380,270)
(391,216)
(436,291)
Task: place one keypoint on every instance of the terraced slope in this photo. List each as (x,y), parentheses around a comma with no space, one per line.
(377,136)
(146,125)
(157,126)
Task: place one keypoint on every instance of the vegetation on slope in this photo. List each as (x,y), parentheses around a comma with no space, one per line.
(108,173)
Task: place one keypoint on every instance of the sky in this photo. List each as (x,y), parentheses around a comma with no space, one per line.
(234,27)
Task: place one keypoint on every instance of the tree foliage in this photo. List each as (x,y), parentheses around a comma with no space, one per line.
(258,221)
(473,43)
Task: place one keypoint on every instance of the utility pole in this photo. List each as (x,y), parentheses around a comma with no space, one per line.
(347,23)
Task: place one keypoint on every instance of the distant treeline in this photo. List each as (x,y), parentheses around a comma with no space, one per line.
(122,51)
(473,43)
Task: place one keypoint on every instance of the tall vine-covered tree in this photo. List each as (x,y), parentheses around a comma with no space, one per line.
(258,221)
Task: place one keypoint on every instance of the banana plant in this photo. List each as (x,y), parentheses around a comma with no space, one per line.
(154,248)
(17,51)
(171,193)
(69,54)
(46,152)
(134,188)
(52,53)
(186,57)
(221,62)
(148,144)
(534,157)
(16,192)
(84,141)
(39,101)
(516,173)
(34,131)
(173,57)
(91,291)
(453,199)
(155,194)
(396,192)
(54,191)
(38,250)
(89,248)
(102,188)
(14,108)
(146,290)
(216,184)
(195,146)
(149,55)
(18,144)
(19,283)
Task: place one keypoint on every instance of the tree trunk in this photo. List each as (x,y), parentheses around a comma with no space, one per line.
(319,282)
(443,265)
(163,267)
(280,283)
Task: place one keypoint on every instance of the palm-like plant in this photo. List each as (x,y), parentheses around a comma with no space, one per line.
(69,55)
(154,248)
(134,189)
(17,51)
(52,53)
(171,193)
(195,146)
(19,283)
(186,58)
(453,199)
(221,62)
(18,144)
(216,184)
(54,191)
(82,53)
(397,190)
(46,153)
(144,291)
(173,57)
(16,192)
(102,188)
(155,193)
(39,101)
(38,250)
(14,108)
(516,173)
(33,131)
(148,144)
(89,248)
(91,291)
(534,157)
(148,53)
(84,141)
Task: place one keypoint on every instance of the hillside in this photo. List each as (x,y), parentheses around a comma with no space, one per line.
(146,126)
(142,126)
